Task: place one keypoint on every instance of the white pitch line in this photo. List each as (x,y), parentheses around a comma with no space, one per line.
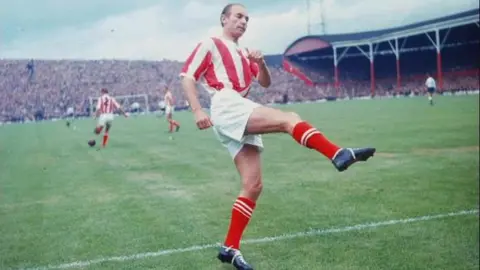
(313,232)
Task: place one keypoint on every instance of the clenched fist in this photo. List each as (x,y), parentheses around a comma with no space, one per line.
(255,56)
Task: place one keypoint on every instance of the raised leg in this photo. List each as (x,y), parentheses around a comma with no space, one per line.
(269,120)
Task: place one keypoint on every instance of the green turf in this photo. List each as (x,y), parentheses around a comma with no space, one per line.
(61,201)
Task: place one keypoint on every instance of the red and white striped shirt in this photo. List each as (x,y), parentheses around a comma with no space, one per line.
(107,104)
(220,63)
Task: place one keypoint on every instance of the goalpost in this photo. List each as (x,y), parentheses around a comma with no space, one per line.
(130,103)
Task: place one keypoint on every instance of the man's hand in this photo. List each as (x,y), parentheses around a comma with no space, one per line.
(264,75)
(256,56)
(202,119)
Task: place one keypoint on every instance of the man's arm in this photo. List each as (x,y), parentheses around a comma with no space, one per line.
(190,90)
(264,78)
(201,118)
(196,65)
(97,108)
(259,68)
(117,105)
(123,111)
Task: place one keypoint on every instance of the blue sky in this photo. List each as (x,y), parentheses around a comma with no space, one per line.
(168,29)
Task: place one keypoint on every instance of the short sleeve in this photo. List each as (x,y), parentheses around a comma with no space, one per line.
(198,61)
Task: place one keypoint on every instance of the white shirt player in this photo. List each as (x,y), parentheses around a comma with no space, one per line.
(430,83)
(161,104)
(135,106)
(69,111)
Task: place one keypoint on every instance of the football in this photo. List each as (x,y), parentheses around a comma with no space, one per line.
(91,143)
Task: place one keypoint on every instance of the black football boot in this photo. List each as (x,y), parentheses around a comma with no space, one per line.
(347,156)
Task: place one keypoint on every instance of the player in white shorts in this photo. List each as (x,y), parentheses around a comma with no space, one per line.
(106,106)
(227,70)
(431,87)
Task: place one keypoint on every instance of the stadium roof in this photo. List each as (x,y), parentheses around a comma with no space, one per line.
(313,42)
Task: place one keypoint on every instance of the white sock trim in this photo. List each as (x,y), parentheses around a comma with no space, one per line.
(336,153)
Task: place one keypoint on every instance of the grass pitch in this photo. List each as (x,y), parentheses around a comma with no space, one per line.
(62,202)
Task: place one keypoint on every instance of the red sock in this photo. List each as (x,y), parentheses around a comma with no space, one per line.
(170,128)
(105,139)
(310,137)
(241,212)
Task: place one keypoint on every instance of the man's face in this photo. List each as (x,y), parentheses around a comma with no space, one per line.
(235,22)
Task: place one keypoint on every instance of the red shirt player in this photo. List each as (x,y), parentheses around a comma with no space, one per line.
(227,70)
(106,106)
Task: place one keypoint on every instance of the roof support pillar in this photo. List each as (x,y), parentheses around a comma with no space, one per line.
(336,61)
(438,47)
(370,57)
(335,69)
(372,70)
(396,51)
(399,73)
(439,59)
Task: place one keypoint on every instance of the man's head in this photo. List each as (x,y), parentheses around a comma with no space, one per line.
(234,20)
(104,91)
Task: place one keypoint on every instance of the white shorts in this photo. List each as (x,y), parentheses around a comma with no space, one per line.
(105,118)
(169,109)
(229,114)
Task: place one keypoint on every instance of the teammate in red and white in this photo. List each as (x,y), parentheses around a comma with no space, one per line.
(227,70)
(169,109)
(106,106)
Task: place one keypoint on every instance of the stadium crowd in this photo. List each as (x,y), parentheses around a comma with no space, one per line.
(44,89)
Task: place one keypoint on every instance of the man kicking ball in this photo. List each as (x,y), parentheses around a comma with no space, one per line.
(227,70)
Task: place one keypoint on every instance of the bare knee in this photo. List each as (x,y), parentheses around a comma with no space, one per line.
(252,187)
(249,167)
(291,120)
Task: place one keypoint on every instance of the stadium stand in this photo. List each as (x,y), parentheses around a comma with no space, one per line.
(43,89)
(391,59)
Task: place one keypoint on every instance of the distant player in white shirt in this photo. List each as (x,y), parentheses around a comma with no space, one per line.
(135,107)
(106,105)
(431,88)
(161,107)
(169,109)
(70,115)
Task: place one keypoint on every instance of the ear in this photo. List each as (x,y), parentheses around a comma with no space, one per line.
(223,18)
